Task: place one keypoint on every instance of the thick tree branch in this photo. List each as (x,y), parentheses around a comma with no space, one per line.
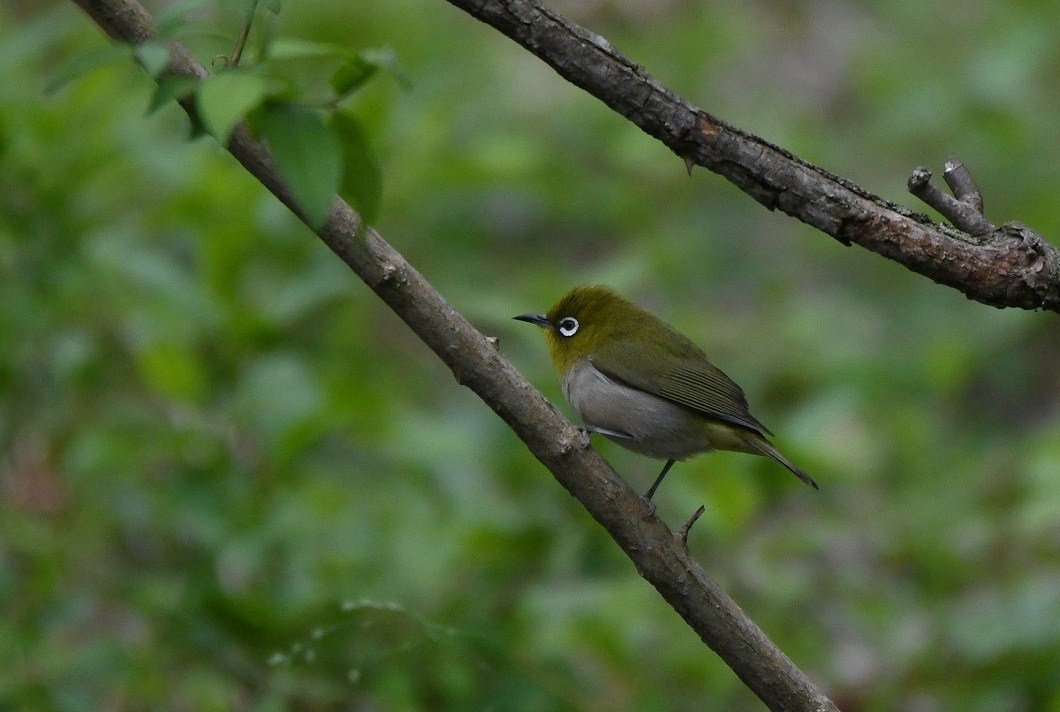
(658,554)
(1006,267)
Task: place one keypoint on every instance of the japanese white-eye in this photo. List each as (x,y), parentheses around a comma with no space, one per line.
(635,379)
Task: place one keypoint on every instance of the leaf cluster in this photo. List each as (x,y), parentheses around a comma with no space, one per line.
(312,129)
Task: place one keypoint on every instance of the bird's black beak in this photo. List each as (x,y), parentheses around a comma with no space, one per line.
(539,319)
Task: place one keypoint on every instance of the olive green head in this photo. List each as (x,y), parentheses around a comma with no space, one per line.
(588,318)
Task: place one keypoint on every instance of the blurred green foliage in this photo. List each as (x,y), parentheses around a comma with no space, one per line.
(231,479)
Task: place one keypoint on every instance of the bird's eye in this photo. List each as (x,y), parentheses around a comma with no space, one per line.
(568,326)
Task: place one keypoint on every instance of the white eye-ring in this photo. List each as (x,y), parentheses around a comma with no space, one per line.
(568,326)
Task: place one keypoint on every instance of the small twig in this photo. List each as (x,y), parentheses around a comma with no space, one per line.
(244,32)
(965,210)
(960,181)
(682,533)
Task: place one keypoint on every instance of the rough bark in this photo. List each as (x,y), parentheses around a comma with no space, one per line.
(1010,266)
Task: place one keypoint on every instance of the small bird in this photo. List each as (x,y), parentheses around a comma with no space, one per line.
(636,380)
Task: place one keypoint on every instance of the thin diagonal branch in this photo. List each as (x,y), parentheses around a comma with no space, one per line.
(244,33)
(1003,269)
(476,363)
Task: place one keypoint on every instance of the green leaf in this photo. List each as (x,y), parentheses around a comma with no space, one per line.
(362,178)
(174,18)
(154,56)
(290,48)
(362,66)
(279,393)
(226,97)
(170,88)
(351,76)
(307,153)
(173,370)
(84,63)
(386,58)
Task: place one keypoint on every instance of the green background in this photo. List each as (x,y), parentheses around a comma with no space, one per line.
(231,479)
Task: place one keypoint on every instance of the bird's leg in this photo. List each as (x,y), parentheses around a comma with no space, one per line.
(605,431)
(658,480)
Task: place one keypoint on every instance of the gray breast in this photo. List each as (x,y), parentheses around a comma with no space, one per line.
(637,420)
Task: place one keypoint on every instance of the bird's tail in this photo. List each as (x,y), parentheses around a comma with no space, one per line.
(760,445)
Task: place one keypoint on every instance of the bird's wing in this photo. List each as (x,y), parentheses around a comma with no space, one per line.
(689,380)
